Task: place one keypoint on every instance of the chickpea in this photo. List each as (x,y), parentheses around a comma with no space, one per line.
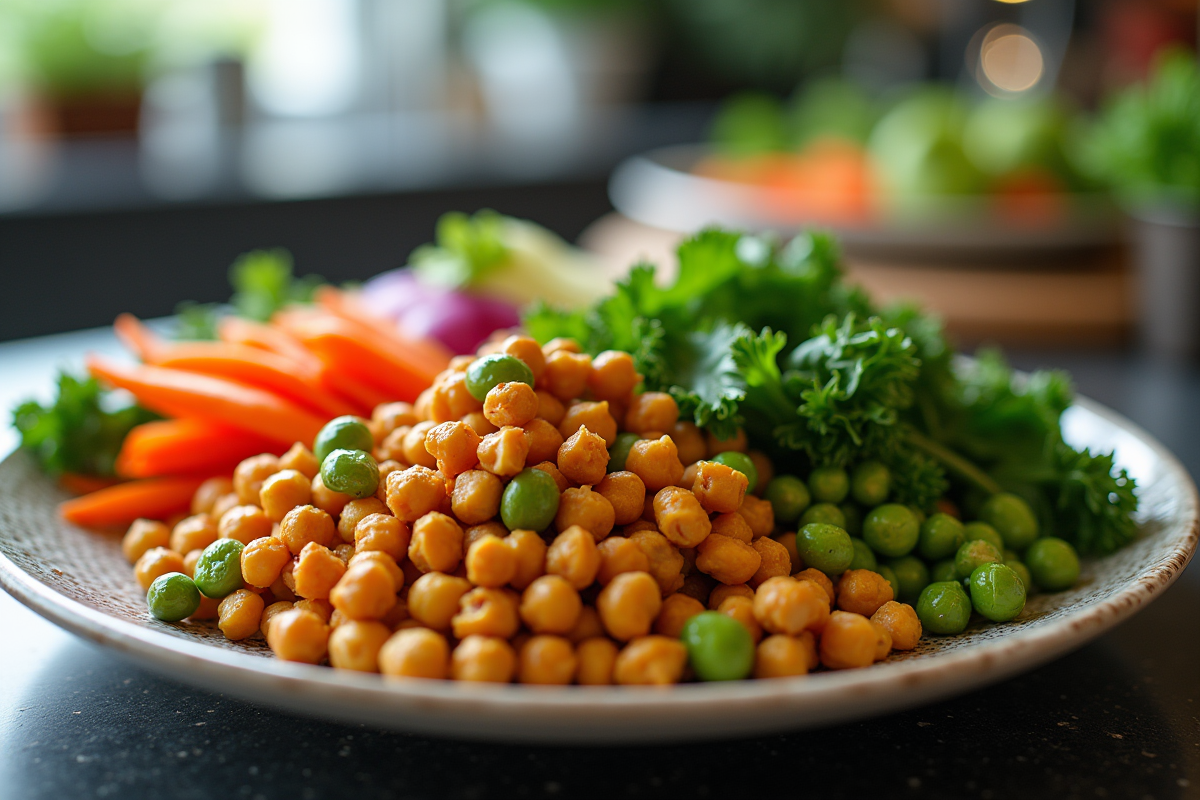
(776,563)
(587,626)
(666,562)
(355,644)
(735,527)
(193,533)
(245,524)
(619,555)
(639,525)
(883,641)
(322,608)
(422,403)
(366,591)
(583,457)
(484,659)
(561,343)
(587,509)
(510,404)
(595,660)
(550,408)
(626,494)
(728,560)
(298,635)
(239,614)
(389,416)
(676,610)
(679,516)
(282,492)
(717,446)
(384,560)
(415,653)
(490,562)
(759,515)
(189,562)
(413,447)
(433,599)
(566,374)
(651,411)
(453,444)
(848,641)
(383,533)
(788,540)
(552,470)
(280,589)
(307,525)
(550,605)
(629,604)
(690,441)
(862,591)
(901,622)
(345,552)
(742,609)
(249,475)
(414,492)
(784,605)
(479,423)
(764,468)
(651,660)
(656,462)
(574,556)
(327,499)
(526,349)
(543,440)
(207,493)
(450,399)
(595,416)
(355,511)
(436,544)
(530,551)
(780,656)
(270,612)
(504,452)
(723,591)
(223,504)
(476,496)
(547,660)
(690,471)
(263,560)
(143,535)
(154,563)
(208,609)
(316,572)
(819,578)
(720,489)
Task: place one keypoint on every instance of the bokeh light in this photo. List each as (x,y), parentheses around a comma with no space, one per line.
(1010,60)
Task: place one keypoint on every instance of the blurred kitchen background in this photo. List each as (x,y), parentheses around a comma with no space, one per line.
(1031,169)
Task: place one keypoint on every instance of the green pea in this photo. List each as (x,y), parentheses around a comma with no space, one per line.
(173,597)
(620,451)
(342,433)
(870,483)
(943,570)
(891,530)
(824,512)
(352,472)
(825,547)
(789,497)
(1012,518)
(530,501)
(918,514)
(971,555)
(1016,565)
(941,536)
(997,592)
(219,569)
(1052,563)
(864,558)
(913,576)
(485,373)
(889,575)
(719,647)
(740,462)
(944,608)
(829,484)
(854,518)
(981,530)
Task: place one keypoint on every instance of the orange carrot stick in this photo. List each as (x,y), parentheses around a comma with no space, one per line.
(78,483)
(300,322)
(348,306)
(153,498)
(347,353)
(182,446)
(256,367)
(135,335)
(361,395)
(237,330)
(175,393)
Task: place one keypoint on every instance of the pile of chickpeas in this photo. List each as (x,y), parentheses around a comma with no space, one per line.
(423,577)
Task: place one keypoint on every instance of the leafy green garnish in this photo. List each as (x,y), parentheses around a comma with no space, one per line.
(196,321)
(263,282)
(81,431)
(467,249)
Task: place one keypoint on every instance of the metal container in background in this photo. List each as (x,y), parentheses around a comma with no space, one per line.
(1167,253)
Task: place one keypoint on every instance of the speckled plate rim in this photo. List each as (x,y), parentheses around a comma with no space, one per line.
(597,715)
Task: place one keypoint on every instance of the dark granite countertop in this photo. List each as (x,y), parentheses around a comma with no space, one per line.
(1118,718)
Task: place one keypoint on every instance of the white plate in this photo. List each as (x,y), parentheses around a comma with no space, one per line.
(79,580)
(659,189)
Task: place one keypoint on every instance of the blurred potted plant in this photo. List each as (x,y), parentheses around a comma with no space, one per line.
(1146,144)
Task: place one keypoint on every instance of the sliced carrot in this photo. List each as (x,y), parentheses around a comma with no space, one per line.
(237,330)
(300,321)
(78,483)
(135,335)
(183,446)
(260,368)
(185,395)
(348,353)
(153,498)
(348,306)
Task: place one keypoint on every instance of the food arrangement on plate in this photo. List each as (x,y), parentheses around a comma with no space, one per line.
(752,471)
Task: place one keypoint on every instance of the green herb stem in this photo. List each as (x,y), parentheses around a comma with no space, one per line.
(954,463)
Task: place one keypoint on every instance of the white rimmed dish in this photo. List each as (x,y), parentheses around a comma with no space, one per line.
(79,580)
